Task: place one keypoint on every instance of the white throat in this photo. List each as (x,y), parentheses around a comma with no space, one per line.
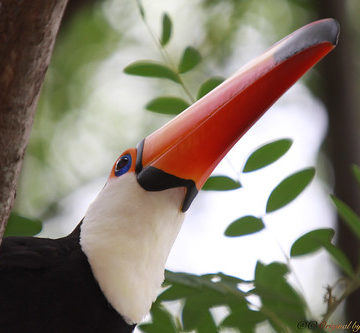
(127,234)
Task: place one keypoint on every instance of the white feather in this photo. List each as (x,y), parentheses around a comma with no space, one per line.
(127,234)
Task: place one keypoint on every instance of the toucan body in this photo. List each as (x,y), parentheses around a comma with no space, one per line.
(105,275)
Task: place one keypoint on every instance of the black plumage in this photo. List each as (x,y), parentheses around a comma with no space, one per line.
(46,285)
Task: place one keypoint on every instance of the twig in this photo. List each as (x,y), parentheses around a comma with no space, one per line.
(164,53)
(353,284)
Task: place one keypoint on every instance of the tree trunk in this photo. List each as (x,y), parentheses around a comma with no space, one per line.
(344,136)
(27,35)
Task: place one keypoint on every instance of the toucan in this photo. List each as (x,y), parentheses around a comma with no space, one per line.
(105,275)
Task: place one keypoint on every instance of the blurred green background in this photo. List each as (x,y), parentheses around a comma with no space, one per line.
(89,111)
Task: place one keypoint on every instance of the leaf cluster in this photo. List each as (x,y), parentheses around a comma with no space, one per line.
(166,69)
(281,305)
(284,193)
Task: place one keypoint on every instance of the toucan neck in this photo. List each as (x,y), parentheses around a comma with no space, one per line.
(127,234)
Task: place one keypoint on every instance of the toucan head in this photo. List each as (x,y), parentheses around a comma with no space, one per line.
(184,152)
(128,231)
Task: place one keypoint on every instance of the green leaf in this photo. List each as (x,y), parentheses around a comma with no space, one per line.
(161,321)
(311,242)
(148,328)
(214,289)
(22,226)
(244,226)
(206,324)
(166,29)
(221,183)
(289,189)
(348,215)
(278,297)
(339,257)
(199,293)
(271,271)
(209,85)
(190,58)
(244,319)
(356,172)
(196,314)
(151,69)
(160,315)
(267,154)
(317,239)
(167,105)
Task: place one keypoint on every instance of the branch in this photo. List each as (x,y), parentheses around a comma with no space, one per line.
(27,34)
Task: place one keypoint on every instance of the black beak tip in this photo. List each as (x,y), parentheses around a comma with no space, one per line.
(326,30)
(331,30)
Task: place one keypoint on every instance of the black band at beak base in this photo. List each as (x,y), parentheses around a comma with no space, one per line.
(154,179)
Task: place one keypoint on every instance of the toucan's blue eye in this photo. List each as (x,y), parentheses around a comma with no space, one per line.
(123,165)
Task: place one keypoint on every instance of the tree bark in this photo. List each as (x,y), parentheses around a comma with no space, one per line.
(27,34)
(344,136)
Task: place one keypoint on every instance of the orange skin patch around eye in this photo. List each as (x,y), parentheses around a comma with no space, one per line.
(132,152)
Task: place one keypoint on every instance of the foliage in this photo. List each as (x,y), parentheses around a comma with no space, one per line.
(277,303)
(281,305)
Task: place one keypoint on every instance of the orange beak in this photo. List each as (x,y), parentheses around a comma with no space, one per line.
(185,151)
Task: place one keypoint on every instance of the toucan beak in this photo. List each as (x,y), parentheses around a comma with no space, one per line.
(186,150)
